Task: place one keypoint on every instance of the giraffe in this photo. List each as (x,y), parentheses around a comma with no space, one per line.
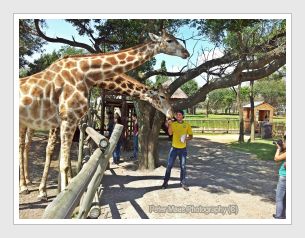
(57,96)
(157,98)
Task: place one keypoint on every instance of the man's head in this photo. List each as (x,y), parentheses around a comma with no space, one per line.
(134,116)
(179,115)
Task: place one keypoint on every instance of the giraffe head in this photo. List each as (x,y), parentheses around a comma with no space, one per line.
(159,100)
(168,44)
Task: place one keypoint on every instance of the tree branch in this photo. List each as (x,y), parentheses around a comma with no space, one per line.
(62,40)
(230,81)
(159,72)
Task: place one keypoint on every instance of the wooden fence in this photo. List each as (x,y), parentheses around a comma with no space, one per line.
(82,189)
(214,125)
(228,125)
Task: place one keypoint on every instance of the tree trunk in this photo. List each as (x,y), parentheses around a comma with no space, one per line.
(150,121)
(252,123)
(153,140)
(207,112)
(241,116)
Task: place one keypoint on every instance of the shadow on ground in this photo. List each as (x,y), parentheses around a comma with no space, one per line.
(212,166)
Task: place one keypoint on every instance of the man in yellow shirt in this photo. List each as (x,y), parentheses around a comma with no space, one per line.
(182,132)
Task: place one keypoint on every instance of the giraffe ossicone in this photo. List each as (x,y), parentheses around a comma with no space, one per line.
(57,97)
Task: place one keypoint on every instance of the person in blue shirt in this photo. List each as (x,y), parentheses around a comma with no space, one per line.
(280,198)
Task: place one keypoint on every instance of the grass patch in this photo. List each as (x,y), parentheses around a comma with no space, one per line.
(262,148)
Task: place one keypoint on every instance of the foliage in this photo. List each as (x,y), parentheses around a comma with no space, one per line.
(69,50)
(160,79)
(216,29)
(190,87)
(45,60)
(221,98)
(29,42)
(272,90)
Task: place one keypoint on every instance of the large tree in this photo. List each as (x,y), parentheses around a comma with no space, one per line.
(252,49)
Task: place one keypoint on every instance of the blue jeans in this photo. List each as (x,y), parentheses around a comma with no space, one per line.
(117,152)
(280,198)
(135,147)
(173,153)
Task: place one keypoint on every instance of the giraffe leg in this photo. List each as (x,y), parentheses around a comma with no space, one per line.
(22,182)
(67,130)
(53,133)
(28,142)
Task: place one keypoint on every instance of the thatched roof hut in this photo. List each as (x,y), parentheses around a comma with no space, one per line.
(178,94)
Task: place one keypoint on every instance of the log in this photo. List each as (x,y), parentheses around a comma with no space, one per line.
(97,178)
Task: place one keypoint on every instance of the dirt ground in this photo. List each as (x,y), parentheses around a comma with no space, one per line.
(224,184)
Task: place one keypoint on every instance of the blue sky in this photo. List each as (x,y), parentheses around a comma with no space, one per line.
(60,28)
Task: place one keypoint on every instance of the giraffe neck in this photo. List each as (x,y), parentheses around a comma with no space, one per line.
(96,68)
(125,85)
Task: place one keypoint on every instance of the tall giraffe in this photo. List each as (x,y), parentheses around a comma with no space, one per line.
(58,96)
(157,98)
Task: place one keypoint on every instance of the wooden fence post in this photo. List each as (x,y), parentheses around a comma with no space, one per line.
(96,180)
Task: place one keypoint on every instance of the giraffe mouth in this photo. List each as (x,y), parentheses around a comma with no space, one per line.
(185,55)
(170,114)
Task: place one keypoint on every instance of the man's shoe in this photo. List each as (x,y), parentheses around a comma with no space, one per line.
(164,185)
(186,188)
(275,217)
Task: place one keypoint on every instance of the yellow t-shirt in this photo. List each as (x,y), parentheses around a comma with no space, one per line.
(180,130)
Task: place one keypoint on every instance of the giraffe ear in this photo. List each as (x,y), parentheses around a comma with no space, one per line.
(164,33)
(154,37)
(151,93)
(163,89)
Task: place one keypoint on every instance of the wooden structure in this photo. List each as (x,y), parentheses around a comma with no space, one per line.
(106,106)
(263,112)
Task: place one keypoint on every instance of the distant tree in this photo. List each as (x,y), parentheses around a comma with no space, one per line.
(272,89)
(222,99)
(160,79)
(69,50)
(45,60)
(190,87)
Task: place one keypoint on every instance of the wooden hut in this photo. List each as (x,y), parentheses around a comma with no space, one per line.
(110,103)
(177,95)
(263,112)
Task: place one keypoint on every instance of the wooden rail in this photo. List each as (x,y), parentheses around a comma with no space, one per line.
(87,180)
